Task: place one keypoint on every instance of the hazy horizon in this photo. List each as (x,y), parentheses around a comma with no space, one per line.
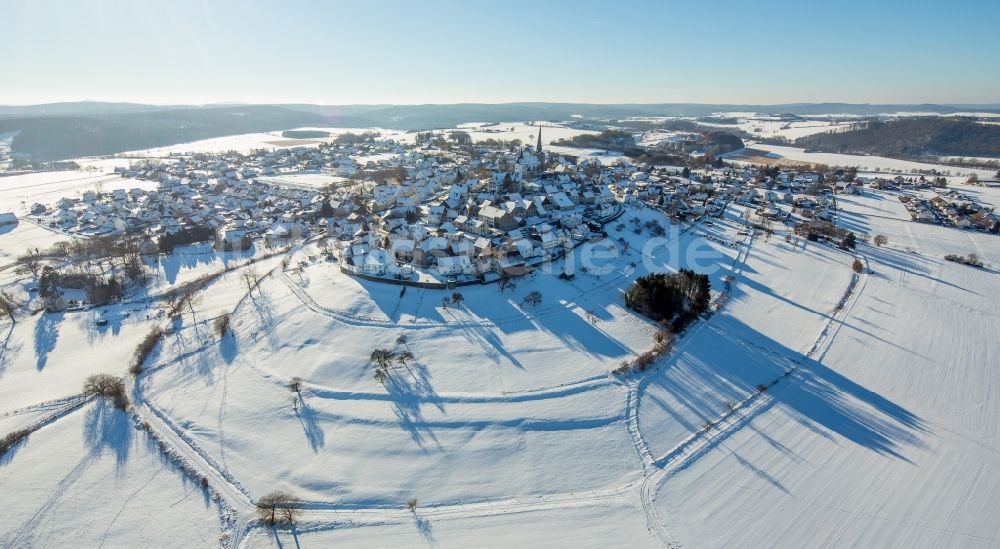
(336,53)
(990,105)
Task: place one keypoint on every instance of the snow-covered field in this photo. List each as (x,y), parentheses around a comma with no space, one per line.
(305,180)
(245,143)
(888,437)
(526,132)
(778,128)
(863,163)
(579,523)
(19,192)
(91,479)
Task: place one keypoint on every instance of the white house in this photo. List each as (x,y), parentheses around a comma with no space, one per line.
(235,239)
(403,248)
(452,265)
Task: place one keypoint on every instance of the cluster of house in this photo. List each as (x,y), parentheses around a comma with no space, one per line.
(501,212)
(527,208)
(227,192)
(708,192)
(235,207)
(405,211)
(952,208)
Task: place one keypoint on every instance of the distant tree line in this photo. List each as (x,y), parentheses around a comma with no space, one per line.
(616,140)
(304,134)
(911,137)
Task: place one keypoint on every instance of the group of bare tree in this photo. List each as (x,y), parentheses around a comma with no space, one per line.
(145,348)
(109,386)
(187,299)
(384,359)
(278,508)
(123,251)
(455,299)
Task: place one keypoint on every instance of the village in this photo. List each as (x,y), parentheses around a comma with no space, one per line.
(446,211)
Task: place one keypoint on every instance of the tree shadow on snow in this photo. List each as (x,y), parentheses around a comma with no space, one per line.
(8,349)
(108,429)
(229,346)
(310,424)
(714,366)
(46,334)
(425,529)
(410,388)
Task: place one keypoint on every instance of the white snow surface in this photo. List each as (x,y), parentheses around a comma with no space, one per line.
(91,479)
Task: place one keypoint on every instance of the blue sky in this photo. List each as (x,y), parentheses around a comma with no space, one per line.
(434,51)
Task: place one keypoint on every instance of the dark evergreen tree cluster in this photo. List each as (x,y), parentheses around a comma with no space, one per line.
(105,290)
(673,299)
(190,235)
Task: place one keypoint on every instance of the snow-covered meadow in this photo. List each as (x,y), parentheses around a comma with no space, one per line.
(876,165)
(886,437)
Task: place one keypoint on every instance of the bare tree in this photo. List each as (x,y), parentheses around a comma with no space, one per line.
(128,252)
(505,283)
(881,240)
(221,324)
(30,262)
(107,386)
(445,301)
(185,299)
(295,384)
(533,298)
(278,507)
(591,317)
(623,244)
(457,298)
(382,357)
(251,279)
(9,306)
(192,300)
(411,505)
(404,356)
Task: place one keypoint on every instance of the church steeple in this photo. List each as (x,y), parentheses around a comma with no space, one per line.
(538,147)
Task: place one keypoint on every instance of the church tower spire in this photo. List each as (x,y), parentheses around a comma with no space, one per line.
(538,147)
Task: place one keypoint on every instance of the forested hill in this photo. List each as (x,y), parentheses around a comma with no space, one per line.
(911,137)
(70,130)
(45,138)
